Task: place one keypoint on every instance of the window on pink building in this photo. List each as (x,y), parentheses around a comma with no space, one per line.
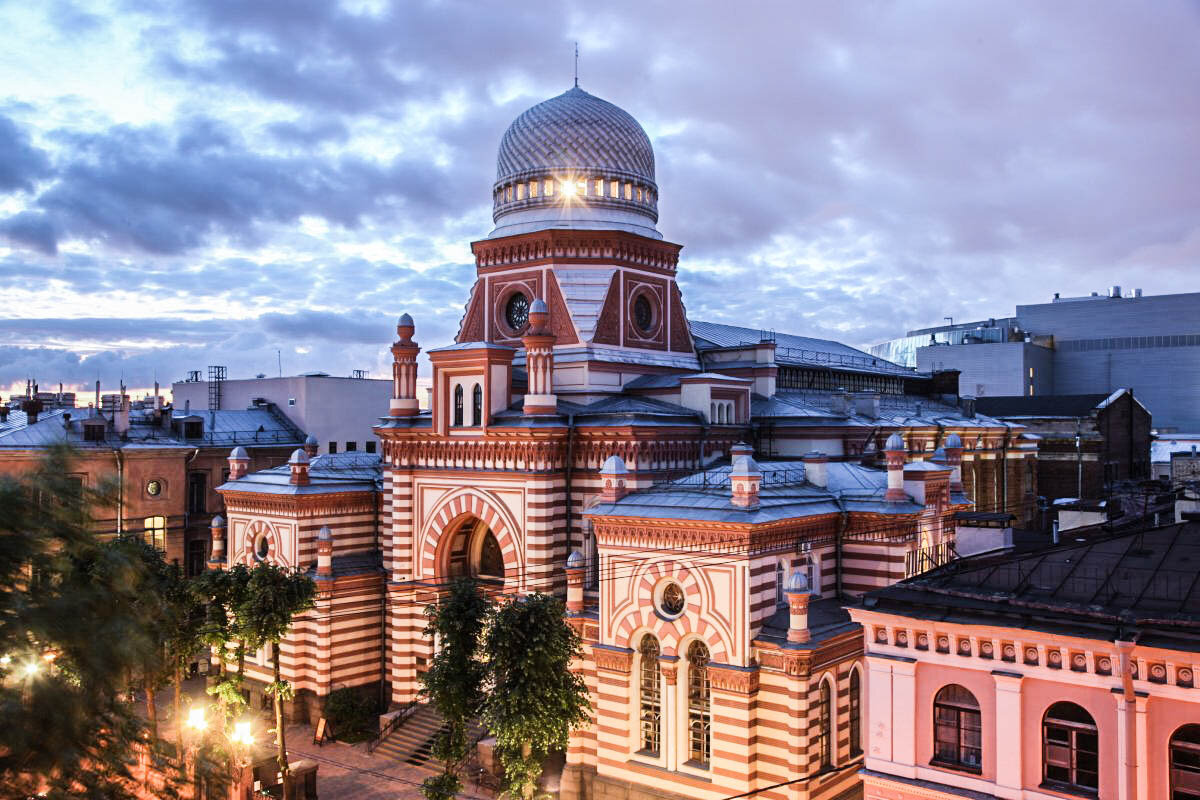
(855,714)
(825,724)
(699,714)
(957,729)
(650,700)
(1070,748)
(1185,763)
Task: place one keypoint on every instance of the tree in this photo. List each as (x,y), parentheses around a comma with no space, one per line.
(455,679)
(534,699)
(274,596)
(72,631)
(222,592)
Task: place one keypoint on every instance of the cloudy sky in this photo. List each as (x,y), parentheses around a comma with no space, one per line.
(196,182)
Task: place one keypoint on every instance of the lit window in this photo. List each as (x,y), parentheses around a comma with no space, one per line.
(650,700)
(1070,748)
(957,729)
(548,187)
(156,533)
(698,705)
(614,188)
(598,190)
(581,187)
(533,188)
(639,194)
(508,192)
(629,191)
(1031,372)
(520,191)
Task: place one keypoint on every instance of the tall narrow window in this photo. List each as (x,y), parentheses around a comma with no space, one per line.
(957,730)
(650,696)
(699,715)
(197,492)
(156,533)
(1070,748)
(780,600)
(825,724)
(458,405)
(1185,763)
(477,405)
(855,714)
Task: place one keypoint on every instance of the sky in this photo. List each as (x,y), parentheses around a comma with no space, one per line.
(267,185)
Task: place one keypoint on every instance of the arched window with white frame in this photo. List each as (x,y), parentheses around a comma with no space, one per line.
(649,697)
(826,697)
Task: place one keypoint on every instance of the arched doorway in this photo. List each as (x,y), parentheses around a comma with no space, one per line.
(475,551)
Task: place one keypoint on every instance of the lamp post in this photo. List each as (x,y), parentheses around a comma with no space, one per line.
(241,742)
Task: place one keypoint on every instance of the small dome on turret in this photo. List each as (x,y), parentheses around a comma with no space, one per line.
(895,442)
(614,465)
(953,440)
(324,535)
(239,452)
(217,522)
(797,582)
(539,307)
(405,320)
(575,560)
(310,439)
(298,456)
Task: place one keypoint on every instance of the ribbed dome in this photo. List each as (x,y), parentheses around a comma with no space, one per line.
(575,162)
(575,131)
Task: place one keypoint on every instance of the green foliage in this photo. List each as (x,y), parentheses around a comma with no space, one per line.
(456,678)
(353,715)
(95,607)
(535,700)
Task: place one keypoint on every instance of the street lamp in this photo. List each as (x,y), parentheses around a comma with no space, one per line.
(196,719)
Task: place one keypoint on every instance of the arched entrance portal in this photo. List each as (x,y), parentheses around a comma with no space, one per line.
(475,551)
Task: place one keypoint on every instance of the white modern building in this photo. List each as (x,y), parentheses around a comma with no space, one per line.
(338,412)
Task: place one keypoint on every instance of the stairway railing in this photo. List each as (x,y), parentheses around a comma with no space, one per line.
(395,722)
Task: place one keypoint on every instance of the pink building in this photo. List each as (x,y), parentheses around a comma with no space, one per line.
(1067,672)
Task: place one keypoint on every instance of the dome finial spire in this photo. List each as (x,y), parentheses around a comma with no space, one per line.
(576,65)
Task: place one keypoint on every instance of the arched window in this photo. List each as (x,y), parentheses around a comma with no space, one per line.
(491,559)
(712,412)
(1070,748)
(477,405)
(855,713)
(825,723)
(458,405)
(650,696)
(729,413)
(1185,763)
(780,599)
(699,715)
(957,729)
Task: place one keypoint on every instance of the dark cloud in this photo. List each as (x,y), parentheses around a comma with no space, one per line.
(31,229)
(21,163)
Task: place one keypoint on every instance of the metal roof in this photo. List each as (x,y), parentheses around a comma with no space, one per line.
(228,427)
(792,349)
(336,472)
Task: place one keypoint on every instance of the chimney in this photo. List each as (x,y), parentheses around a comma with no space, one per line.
(121,417)
(1137,292)
(32,407)
(744,481)
(324,553)
(613,476)
(894,451)
(67,420)
(816,469)
(966,404)
(866,404)
(311,446)
(575,575)
(539,362)
(798,595)
(157,398)
(1114,291)
(740,449)
(404,370)
(3,413)
(299,464)
(98,394)
(239,463)
(217,533)
(954,450)
(840,403)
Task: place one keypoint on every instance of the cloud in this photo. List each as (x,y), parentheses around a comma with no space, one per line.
(21,164)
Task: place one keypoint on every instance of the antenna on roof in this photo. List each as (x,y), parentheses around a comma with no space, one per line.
(576,65)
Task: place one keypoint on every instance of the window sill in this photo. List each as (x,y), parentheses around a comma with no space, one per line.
(965,768)
(1068,789)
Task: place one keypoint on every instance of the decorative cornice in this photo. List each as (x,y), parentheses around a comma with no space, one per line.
(614,659)
(728,678)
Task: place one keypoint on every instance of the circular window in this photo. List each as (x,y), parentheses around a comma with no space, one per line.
(516,311)
(262,547)
(670,600)
(154,488)
(643,314)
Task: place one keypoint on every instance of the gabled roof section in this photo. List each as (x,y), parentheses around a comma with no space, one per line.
(584,291)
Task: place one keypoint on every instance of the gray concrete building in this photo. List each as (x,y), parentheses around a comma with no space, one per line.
(1075,345)
(339,412)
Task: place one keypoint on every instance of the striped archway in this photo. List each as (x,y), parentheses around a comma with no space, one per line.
(694,623)
(450,513)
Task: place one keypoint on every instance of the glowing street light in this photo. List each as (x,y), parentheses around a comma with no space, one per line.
(5,660)
(242,734)
(196,718)
(31,669)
